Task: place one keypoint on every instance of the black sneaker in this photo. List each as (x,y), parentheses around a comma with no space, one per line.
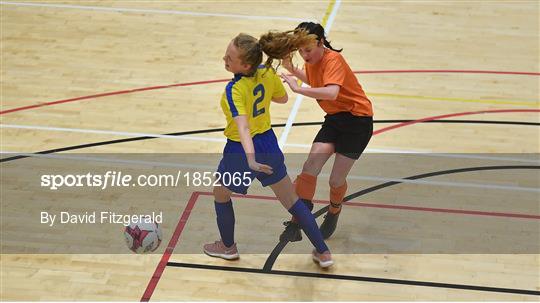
(292,232)
(329,224)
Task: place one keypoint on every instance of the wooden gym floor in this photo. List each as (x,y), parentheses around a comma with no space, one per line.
(454,86)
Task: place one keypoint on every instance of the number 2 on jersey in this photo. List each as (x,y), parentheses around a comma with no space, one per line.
(258,88)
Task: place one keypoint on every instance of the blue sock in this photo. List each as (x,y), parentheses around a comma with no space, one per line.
(225,222)
(307,222)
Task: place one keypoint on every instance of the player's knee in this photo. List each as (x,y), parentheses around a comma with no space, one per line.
(289,201)
(336,181)
(221,194)
(286,199)
(311,166)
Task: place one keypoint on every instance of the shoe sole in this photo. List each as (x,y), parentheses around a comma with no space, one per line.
(222,256)
(326,230)
(323,264)
(284,238)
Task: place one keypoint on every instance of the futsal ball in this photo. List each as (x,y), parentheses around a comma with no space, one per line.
(142,238)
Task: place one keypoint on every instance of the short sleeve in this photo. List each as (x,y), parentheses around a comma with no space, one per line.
(279,90)
(235,99)
(334,72)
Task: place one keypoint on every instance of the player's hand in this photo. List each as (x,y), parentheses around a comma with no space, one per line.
(291,81)
(256,166)
(287,64)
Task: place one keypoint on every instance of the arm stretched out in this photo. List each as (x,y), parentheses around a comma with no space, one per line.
(247,143)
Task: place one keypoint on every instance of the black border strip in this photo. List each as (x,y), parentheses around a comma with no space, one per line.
(356,278)
(212,130)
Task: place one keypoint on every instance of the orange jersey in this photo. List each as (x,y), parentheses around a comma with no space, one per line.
(332,69)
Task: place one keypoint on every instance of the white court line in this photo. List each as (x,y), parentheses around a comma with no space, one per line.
(111,160)
(222,140)
(299,97)
(469,156)
(152,11)
(290,120)
(445,183)
(108,132)
(433,154)
(332,16)
(212,169)
(367,150)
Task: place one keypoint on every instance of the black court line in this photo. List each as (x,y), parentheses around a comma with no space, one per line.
(213,130)
(281,245)
(356,278)
(267,268)
(110,142)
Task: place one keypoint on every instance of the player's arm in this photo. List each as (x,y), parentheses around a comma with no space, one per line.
(329,92)
(279,94)
(281,100)
(247,143)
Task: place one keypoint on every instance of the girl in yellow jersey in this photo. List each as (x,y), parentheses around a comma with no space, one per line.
(252,150)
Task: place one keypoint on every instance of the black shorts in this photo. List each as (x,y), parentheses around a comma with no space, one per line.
(350,134)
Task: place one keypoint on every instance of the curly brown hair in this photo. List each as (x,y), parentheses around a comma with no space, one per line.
(276,45)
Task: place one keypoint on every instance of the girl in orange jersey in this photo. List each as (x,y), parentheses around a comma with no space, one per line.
(347,127)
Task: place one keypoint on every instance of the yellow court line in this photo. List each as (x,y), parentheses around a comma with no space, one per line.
(398,96)
(522,103)
(329,9)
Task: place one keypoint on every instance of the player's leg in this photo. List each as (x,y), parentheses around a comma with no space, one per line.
(225,247)
(306,183)
(338,188)
(270,154)
(233,162)
(354,135)
(285,193)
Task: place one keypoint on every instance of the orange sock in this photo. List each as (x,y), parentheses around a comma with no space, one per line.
(305,185)
(336,198)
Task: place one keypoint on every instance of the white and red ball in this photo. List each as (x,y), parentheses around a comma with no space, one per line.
(142,237)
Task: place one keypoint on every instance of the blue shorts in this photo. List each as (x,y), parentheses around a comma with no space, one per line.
(234,163)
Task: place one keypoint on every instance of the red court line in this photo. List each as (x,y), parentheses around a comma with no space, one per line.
(170,248)
(445,71)
(194,197)
(402,124)
(225,80)
(400,207)
(445,210)
(187,211)
(129,91)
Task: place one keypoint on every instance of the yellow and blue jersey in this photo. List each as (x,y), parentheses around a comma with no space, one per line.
(251,96)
